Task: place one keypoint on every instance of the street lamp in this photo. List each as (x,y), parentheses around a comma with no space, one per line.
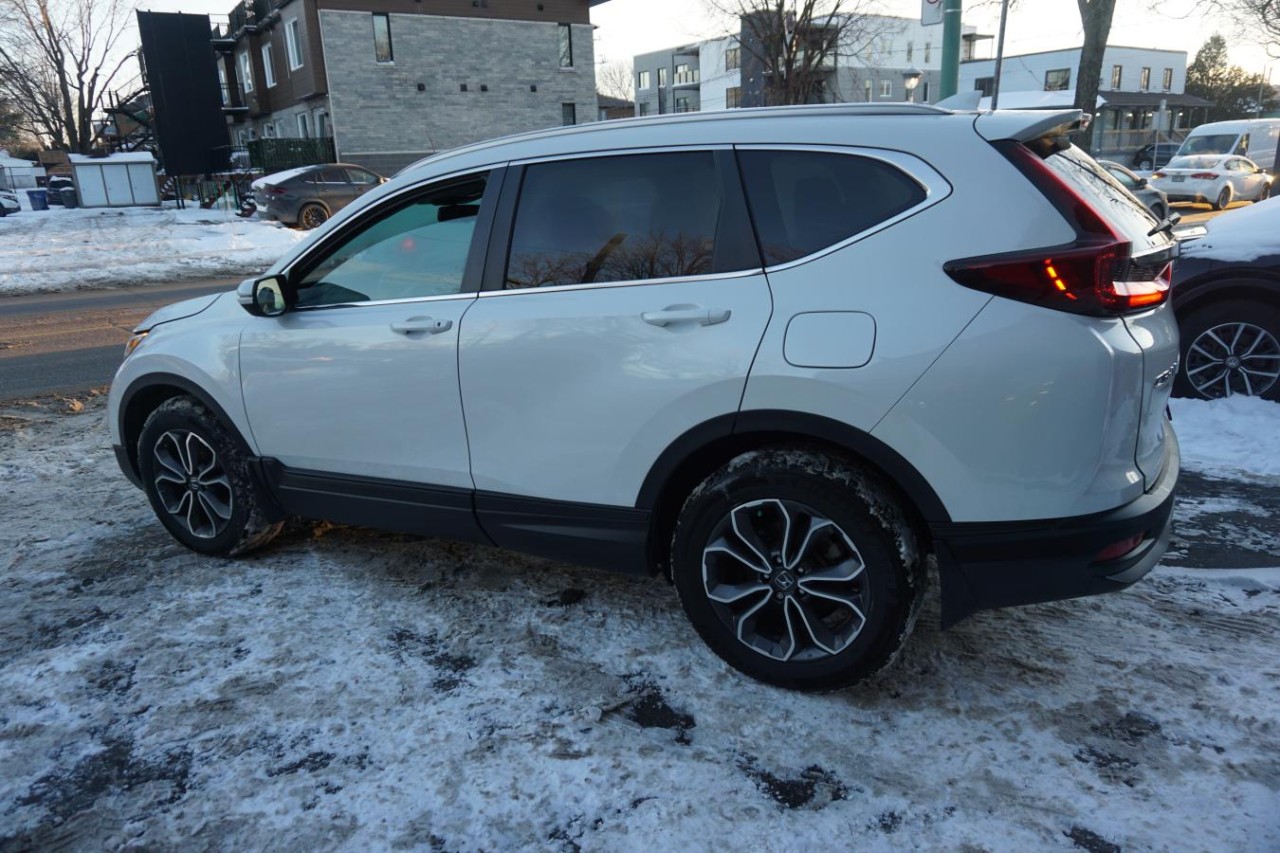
(910,79)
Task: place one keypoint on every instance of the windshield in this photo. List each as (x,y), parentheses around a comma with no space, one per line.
(1219,143)
(1194,162)
(1108,197)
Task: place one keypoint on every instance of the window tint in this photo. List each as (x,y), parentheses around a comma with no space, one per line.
(1105,195)
(360,176)
(420,249)
(620,218)
(803,201)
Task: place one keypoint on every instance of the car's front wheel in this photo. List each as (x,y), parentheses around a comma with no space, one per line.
(797,568)
(198,481)
(312,216)
(1231,348)
(1144,165)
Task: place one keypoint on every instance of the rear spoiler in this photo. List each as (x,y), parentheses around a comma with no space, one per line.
(1043,131)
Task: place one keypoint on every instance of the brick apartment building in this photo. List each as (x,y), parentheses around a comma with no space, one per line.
(392,81)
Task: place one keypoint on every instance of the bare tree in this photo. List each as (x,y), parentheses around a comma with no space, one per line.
(616,80)
(1095,16)
(794,44)
(58,59)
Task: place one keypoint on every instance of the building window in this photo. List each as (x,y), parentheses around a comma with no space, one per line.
(911,49)
(1166,79)
(240,136)
(928,51)
(1144,80)
(733,97)
(732,59)
(866,90)
(662,77)
(268,67)
(382,51)
(222,81)
(246,73)
(322,124)
(268,131)
(985,85)
(292,45)
(1057,79)
(304,126)
(644,107)
(568,114)
(682,105)
(280,128)
(644,80)
(1117,76)
(886,88)
(566,46)
(924,91)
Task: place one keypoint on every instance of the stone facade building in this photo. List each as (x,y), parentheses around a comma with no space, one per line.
(392,81)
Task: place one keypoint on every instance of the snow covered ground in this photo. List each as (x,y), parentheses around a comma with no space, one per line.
(351,689)
(59,249)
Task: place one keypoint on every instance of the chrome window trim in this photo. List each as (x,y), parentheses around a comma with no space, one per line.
(935,186)
(596,285)
(407,300)
(623,152)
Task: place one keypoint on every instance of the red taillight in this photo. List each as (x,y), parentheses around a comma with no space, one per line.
(1157,174)
(1204,176)
(276,190)
(1119,549)
(1094,275)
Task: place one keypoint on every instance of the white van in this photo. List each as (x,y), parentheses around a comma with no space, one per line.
(1256,138)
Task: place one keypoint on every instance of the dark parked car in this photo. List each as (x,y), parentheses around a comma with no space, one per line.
(57,183)
(1226,294)
(1154,155)
(308,196)
(1154,199)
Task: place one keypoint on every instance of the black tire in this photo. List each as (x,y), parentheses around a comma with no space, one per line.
(1264,193)
(1144,166)
(1209,340)
(755,492)
(198,480)
(312,216)
(1223,200)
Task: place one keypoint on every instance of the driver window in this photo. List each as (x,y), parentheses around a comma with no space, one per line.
(419,249)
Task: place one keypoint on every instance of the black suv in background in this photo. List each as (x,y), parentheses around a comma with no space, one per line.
(1154,155)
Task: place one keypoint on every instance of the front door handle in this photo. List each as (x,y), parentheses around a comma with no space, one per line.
(430,325)
(686,314)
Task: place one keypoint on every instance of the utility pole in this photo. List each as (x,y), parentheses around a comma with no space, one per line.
(951,10)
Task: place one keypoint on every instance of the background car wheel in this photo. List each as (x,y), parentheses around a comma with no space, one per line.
(1223,200)
(198,481)
(1264,193)
(1231,348)
(798,569)
(1144,166)
(312,216)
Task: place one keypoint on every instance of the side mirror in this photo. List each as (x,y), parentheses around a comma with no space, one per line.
(264,297)
(1142,182)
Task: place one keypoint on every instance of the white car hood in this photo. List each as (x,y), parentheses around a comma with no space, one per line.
(178,310)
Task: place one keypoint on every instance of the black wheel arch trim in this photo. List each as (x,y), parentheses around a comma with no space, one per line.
(162,380)
(1225,283)
(798,425)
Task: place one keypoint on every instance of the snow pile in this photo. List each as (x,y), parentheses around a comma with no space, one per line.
(61,249)
(347,689)
(1229,436)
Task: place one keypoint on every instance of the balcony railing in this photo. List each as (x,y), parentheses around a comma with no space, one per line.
(686,78)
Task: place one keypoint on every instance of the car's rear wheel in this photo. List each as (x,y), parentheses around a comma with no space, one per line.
(1224,199)
(198,481)
(1231,348)
(1144,165)
(312,216)
(1265,192)
(797,569)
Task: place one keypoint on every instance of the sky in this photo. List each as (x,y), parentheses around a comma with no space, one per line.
(629,27)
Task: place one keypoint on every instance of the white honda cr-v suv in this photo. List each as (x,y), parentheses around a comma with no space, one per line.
(782,355)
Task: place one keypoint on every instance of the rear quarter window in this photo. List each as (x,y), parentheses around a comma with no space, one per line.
(804,201)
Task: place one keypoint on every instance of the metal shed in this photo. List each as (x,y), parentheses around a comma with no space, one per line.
(117,180)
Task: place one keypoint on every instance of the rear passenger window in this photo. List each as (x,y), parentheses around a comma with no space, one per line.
(804,201)
(623,218)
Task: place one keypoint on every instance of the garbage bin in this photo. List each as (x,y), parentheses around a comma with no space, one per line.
(68,195)
(39,199)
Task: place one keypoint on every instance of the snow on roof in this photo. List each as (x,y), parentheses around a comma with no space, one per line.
(129,157)
(279,177)
(15,163)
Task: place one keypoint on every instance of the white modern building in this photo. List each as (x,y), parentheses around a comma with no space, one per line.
(871,65)
(1141,97)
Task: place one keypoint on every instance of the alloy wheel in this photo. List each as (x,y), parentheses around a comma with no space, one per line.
(788,582)
(192,485)
(313,217)
(1233,358)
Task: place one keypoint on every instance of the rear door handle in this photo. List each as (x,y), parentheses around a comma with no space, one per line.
(686,314)
(430,325)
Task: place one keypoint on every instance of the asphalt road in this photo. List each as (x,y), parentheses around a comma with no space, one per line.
(67,343)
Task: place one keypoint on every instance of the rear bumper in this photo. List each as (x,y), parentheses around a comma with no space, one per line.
(992,565)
